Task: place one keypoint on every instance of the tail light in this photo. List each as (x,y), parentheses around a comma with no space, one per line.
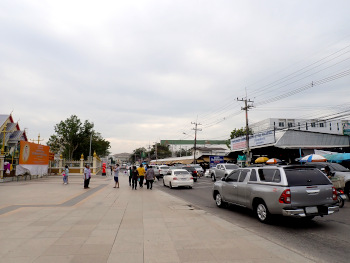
(334,195)
(174,178)
(341,191)
(191,178)
(194,172)
(285,197)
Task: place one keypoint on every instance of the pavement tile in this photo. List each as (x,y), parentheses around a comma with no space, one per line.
(54,259)
(127,257)
(90,259)
(195,255)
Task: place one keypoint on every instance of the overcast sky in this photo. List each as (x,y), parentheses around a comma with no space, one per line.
(142,71)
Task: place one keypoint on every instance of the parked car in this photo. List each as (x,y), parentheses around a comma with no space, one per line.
(338,170)
(222,170)
(295,191)
(192,170)
(177,178)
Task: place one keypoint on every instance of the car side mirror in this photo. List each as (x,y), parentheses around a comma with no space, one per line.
(223,179)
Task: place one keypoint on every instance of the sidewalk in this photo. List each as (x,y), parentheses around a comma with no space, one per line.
(45,221)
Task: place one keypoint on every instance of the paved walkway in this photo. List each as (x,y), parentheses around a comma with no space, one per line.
(45,221)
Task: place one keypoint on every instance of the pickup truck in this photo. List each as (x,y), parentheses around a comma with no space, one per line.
(294,191)
(221,170)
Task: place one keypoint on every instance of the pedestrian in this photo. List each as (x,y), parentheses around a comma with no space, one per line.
(130,175)
(134,176)
(65,175)
(87,176)
(141,171)
(111,169)
(149,178)
(116,174)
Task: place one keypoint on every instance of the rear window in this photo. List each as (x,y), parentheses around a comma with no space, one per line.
(164,168)
(189,168)
(180,172)
(269,175)
(231,166)
(306,177)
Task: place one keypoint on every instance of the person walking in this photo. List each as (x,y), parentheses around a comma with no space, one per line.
(65,176)
(142,172)
(130,175)
(149,178)
(87,176)
(116,175)
(134,175)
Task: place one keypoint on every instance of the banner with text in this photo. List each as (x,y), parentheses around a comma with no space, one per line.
(214,160)
(254,140)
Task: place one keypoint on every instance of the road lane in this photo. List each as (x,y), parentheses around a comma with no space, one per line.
(323,239)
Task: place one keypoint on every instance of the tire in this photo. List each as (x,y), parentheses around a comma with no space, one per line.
(262,213)
(195,180)
(218,200)
(213,177)
(170,186)
(340,201)
(163,182)
(190,187)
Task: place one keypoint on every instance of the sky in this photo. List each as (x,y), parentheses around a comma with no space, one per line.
(144,71)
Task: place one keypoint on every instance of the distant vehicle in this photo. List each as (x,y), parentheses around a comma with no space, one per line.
(294,191)
(338,170)
(178,178)
(160,170)
(221,170)
(199,169)
(192,170)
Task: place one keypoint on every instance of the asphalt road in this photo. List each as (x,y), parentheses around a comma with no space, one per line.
(324,239)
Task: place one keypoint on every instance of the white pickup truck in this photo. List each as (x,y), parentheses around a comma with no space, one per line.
(221,170)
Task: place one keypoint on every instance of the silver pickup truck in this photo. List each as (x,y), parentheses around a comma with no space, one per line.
(221,170)
(295,191)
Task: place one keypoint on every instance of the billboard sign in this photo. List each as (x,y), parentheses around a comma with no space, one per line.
(214,160)
(258,139)
(33,154)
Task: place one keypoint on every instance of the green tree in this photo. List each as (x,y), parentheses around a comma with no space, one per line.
(163,151)
(72,139)
(138,155)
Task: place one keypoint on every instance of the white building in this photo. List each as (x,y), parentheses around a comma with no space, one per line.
(312,125)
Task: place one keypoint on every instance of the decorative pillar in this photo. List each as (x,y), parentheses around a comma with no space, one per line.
(60,165)
(81,163)
(94,160)
(2,158)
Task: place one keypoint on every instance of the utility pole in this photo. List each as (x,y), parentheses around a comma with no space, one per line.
(155,148)
(246,108)
(195,139)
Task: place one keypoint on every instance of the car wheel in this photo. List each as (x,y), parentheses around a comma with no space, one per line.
(190,187)
(195,180)
(163,182)
(213,178)
(218,200)
(262,212)
(170,186)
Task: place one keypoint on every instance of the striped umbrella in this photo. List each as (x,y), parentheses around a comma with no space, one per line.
(273,161)
(313,158)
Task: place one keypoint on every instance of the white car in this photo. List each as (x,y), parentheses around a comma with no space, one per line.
(177,178)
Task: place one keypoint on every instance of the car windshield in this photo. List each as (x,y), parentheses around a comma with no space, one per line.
(306,177)
(231,166)
(164,168)
(338,167)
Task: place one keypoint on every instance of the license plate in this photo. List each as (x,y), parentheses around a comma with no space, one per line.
(343,196)
(183,179)
(311,210)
